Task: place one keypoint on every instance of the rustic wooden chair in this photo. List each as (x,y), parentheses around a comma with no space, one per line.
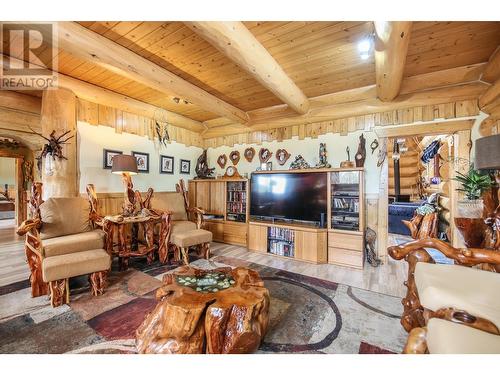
(186,225)
(62,242)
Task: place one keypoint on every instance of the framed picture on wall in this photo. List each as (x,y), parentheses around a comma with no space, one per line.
(166,164)
(185,166)
(142,161)
(107,158)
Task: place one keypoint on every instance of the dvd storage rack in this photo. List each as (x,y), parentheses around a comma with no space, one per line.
(281,241)
(345,190)
(236,199)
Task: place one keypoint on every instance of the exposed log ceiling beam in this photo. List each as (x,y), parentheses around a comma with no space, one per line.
(97,49)
(491,98)
(355,108)
(442,127)
(236,42)
(391,46)
(22,102)
(99,95)
(492,70)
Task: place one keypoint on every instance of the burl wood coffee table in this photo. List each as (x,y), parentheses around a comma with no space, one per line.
(222,310)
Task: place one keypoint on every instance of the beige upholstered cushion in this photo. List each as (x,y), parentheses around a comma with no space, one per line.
(191,238)
(182,226)
(177,227)
(444,337)
(73,243)
(472,290)
(63,216)
(69,265)
(170,201)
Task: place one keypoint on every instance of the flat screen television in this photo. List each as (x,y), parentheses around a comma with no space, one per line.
(289,196)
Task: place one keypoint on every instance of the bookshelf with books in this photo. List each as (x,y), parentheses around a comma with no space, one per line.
(224,201)
(281,241)
(346,219)
(236,201)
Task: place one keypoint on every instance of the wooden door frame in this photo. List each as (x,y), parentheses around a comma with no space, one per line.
(461,129)
(21,194)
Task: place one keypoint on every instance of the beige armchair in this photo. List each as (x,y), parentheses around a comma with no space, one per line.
(441,294)
(62,242)
(186,225)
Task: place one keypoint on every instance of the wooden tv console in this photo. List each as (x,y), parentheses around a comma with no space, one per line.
(340,243)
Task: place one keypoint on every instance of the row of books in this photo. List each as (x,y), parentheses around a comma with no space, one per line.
(281,248)
(236,207)
(236,196)
(235,186)
(351,205)
(281,233)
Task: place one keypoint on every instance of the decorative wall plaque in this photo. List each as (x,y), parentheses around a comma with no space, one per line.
(249,154)
(234,156)
(282,156)
(264,155)
(222,160)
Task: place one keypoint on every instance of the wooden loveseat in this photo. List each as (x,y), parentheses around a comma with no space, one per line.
(63,241)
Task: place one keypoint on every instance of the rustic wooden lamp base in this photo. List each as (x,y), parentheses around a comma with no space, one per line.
(193,317)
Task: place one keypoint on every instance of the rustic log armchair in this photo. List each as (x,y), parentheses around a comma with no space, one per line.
(453,293)
(62,242)
(186,225)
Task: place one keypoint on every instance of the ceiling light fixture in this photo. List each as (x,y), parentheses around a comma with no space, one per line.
(364,48)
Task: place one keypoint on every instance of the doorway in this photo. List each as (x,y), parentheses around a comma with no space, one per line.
(8,188)
(419,176)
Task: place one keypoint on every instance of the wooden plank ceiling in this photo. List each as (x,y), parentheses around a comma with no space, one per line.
(320,57)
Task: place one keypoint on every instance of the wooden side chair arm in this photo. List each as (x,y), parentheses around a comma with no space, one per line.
(29,225)
(466,257)
(198,214)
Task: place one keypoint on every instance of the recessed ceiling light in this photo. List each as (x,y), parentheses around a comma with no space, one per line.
(364,46)
(364,56)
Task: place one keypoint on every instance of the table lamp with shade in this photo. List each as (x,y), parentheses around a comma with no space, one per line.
(126,165)
(487,155)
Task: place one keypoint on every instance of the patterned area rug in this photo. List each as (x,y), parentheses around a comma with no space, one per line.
(307,315)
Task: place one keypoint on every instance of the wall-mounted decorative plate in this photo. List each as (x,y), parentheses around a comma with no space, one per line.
(282,156)
(249,154)
(234,156)
(264,155)
(222,160)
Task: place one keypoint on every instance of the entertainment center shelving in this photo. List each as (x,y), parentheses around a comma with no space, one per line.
(340,241)
(225,202)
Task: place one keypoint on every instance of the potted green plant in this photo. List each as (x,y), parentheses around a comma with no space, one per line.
(472,184)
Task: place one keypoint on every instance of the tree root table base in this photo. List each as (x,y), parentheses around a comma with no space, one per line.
(222,310)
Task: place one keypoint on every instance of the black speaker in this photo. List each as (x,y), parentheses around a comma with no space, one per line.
(322,220)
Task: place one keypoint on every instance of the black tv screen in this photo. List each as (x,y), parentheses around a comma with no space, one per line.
(290,196)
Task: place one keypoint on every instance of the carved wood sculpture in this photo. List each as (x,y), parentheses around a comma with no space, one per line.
(360,156)
(264,155)
(222,160)
(234,156)
(416,342)
(129,203)
(33,243)
(202,169)
(423,226)
(249,154)
(95,218)
(53,146)
(98,282)
(414,314)
(282,156)
(233,319)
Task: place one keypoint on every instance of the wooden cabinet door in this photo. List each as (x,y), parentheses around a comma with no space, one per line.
(203,195)
(217,230)
(217,197)
(257,238)
(310,246)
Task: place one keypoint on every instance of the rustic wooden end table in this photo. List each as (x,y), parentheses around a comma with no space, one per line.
(131,246)
(222,310)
